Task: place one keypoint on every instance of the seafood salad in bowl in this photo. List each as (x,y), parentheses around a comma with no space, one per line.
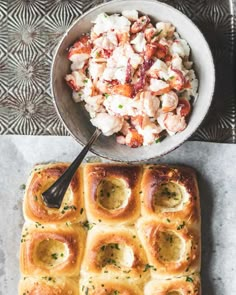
(134,76)
(138,70)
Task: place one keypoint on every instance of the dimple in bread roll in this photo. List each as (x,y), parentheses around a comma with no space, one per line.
(172,249)
(143,224)
(50,250)
(114,252)
(112,193)
(189,285)
(41,178)
(48,286)
(170,193)
(103,286)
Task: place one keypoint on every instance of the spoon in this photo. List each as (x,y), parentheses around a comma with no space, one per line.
(54,195)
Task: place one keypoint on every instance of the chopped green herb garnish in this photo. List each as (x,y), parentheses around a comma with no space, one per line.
(81,211)
(72,207)
(106,95)
(22,186)
(148,266)
(168,220)
(38,224)
(126,271)
(54,256)
(181,226)
(188,279)
(120,106)
(49,279)
(156,34)
(166,192)
(87,225)
(85,80)
(110,261)
(117,246)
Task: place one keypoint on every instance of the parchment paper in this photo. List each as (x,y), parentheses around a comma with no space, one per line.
(215,164)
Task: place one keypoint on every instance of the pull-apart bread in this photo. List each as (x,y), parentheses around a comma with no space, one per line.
(121,230)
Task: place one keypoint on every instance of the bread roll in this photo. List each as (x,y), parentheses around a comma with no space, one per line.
(114,252)
(189,285)
(112,193)
(49,250)
(170,193)
(121,230)
(41,178)
(172,249)
(103,286)
(48,286)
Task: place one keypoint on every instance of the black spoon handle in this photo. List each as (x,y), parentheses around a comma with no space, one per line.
(53,196)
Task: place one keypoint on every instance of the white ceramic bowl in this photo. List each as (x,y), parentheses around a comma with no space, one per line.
(76,119)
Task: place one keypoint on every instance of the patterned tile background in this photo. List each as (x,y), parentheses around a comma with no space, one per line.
(30,30)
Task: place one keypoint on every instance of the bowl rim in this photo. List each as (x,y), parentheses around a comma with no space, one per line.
(211,93)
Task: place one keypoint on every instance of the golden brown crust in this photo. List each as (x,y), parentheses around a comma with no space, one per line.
(124,240)
(56,244)
(150,231)
(189,285)
(48,286)
(131,175)
(184,177)
(143,229)
(103,286)
(41,178)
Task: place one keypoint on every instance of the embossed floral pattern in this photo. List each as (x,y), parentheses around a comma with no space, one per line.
(27,113)
(26,35)
(26,73)
(4,114)
(30,30)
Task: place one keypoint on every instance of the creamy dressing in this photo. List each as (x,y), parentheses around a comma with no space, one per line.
(128,68)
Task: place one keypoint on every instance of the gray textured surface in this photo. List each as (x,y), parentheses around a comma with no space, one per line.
(30,31)
(215,164)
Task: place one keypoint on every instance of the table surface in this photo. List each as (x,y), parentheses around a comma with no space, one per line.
(215,165)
